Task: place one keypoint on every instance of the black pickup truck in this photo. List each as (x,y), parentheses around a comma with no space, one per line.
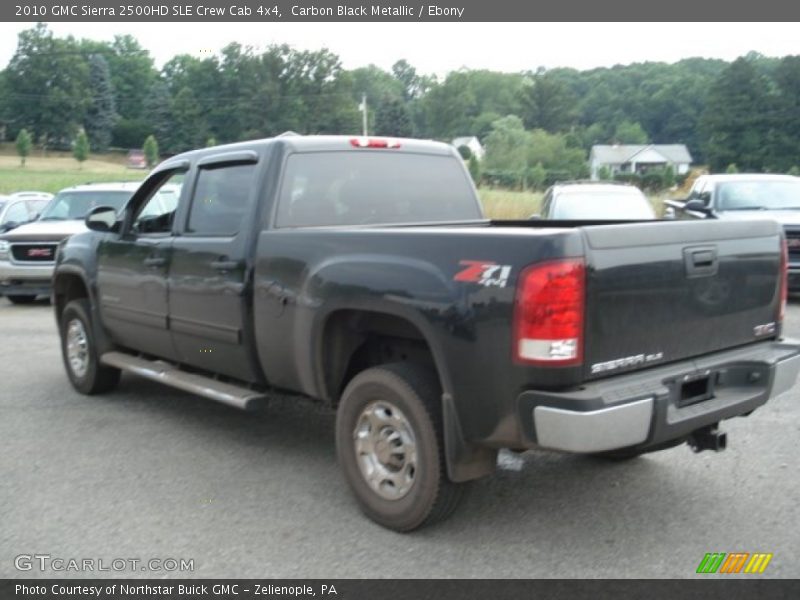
(362,272)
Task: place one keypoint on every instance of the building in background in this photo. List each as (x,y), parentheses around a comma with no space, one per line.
(639,158)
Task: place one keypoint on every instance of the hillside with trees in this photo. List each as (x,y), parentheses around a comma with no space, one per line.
(536,126)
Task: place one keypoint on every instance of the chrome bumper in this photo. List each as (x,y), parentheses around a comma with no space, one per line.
(642,409)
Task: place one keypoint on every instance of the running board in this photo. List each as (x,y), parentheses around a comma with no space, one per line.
(171,375)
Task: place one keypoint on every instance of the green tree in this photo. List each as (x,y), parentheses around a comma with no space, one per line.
(604,173)
(50,83)
(537,176)
(150,149)
(23,145)
(732,168)
(668,177)
(627,132)
(734,120)
(392,118)
(548,103)
(211,141)
(795,170)
(507,148)
(474,168)
(101,114)
(189,128)
(80,149)
(158,108)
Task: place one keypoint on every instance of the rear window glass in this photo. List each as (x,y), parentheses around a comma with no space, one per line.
(603,205)
(371,187)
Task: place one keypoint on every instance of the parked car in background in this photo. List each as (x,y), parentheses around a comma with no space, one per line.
(136,160)
(21,207)
(32,195)
(749,196)
(593,201)
(27,253)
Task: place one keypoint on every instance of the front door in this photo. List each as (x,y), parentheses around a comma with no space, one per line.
(209,271)
(132,271)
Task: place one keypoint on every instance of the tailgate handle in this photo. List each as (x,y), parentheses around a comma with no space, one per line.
(700,262)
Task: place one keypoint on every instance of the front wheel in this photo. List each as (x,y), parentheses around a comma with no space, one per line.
(390,444)
(79,350)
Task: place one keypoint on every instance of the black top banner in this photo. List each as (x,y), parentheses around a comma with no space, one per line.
(397,10)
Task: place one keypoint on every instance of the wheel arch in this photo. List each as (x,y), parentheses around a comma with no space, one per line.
(353,338)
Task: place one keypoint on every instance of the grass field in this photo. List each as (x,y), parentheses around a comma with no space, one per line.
(506,204)
(53,173)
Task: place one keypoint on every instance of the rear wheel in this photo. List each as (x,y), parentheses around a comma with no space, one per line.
(390,445)
(21,299)
(79,350)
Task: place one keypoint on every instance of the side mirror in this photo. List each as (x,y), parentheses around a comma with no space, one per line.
(669,213)
(102,218)
(535,217)
(696,205)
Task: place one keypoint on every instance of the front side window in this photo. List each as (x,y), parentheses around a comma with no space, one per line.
(157,213)
(222,200)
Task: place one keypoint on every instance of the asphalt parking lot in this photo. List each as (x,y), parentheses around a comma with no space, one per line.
(148,472)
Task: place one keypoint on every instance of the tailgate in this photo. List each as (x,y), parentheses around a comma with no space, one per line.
(666,291)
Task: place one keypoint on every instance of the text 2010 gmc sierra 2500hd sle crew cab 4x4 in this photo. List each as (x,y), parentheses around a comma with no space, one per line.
(361,272)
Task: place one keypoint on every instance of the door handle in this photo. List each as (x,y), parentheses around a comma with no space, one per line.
(224,265)
(155,261)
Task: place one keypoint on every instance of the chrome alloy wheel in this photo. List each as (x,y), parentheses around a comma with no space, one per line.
(77,348)
(386,450)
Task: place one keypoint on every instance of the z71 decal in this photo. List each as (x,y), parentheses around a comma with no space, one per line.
(483,273)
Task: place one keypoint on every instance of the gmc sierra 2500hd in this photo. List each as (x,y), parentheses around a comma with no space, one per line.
(362,272)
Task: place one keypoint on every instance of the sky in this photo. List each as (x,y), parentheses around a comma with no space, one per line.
(437,48)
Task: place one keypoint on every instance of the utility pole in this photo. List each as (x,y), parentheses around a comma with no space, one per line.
(363,108)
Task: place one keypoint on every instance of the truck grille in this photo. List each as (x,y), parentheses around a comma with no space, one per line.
(34,252)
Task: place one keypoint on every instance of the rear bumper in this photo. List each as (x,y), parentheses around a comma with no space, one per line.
(645,409)
(25,279)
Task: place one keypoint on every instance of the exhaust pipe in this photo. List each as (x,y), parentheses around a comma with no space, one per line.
(708,438)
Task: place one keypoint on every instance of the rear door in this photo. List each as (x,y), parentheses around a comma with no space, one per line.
(666,291)
(209,272)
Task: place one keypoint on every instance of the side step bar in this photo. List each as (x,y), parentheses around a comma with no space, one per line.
(169,374)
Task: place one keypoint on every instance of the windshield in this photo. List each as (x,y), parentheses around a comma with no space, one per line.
(359,188)
(759,195)
(76,205)
(602,206)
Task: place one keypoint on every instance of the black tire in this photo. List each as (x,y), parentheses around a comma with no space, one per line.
(415,392)
(95,378)
(21,299)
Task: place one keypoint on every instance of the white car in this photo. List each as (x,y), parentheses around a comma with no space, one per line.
(27,252)
(21,207)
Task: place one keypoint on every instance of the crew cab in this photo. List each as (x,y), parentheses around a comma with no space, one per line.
(362,272)
(743,197)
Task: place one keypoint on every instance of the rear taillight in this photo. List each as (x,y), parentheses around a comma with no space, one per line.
(548,313)
(364,142)
(784,279)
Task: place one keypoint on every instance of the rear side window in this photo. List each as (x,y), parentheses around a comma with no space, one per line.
(366,187)
(222,199)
